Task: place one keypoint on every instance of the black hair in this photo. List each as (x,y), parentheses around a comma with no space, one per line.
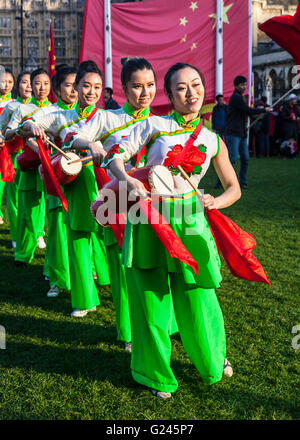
(109,90)
(239,80)
(173,69)
(219,96)
(87,67)
(62,71)
(131,65)
(19,78)
(8,70)
(38,71)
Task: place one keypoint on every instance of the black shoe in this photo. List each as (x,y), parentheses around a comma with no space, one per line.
(244,185)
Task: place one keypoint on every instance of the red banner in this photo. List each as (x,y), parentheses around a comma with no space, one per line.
(167,32)
(285,31)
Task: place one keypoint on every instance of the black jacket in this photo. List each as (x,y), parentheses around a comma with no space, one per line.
(288,126)
(219,114)
(237,113)
(111,104)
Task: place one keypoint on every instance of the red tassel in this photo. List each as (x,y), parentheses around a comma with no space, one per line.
(50,179)
(236,246)
(6,166)
(101,176)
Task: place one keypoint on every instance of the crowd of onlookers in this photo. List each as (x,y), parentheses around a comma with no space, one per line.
(274,134)
(273,131)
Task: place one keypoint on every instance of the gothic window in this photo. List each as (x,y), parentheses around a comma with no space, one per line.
(273,76)
(4,22)
(291,76)
(5,46)
(59,23)
(60,47)
(33,47)
(32,23)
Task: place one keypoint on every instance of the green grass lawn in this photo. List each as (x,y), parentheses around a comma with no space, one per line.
(58,367)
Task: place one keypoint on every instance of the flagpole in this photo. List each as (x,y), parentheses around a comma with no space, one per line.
(219,47)
(250,54)
(249,62)
(107,44)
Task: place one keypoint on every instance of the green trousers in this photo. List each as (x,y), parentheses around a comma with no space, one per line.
(99,258)
(200,323)
(84,294)
(118,287)
(56,266)
(2,186)
(30,223)
(12,208)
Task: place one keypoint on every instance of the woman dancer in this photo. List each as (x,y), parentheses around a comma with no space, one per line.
(139,86)
(31,208)
(6,86)
(56,266)
(87,253)
(24,90)
(151,269)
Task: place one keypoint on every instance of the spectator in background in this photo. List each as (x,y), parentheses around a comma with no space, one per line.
(235,131)
(219,116)
(219,123)
(261,131)
(289,117)
(110,103)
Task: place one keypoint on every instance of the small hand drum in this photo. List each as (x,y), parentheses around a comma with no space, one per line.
(64,171)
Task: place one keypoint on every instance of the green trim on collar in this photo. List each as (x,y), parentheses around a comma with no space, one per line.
(65,106)
(136,113)
(180,121)
(5,97)
(86,111)
(23,101)
(44,103)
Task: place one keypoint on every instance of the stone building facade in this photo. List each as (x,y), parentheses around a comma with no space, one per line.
(67,21)
(272,66)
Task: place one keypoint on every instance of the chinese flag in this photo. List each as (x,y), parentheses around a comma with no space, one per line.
(51,61)
(166,32)
(285,31)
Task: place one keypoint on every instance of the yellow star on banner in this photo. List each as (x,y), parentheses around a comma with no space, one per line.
(183,21)
(225,18)
(194,46)
(194,5)
(183,39)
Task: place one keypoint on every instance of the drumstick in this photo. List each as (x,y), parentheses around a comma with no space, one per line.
(186,177)
(58,149)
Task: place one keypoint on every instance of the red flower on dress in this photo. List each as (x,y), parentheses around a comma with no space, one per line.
(69,137)
(115,149)
(191,160)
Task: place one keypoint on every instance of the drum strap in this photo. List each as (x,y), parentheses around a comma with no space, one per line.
(180,158)
(91,115)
